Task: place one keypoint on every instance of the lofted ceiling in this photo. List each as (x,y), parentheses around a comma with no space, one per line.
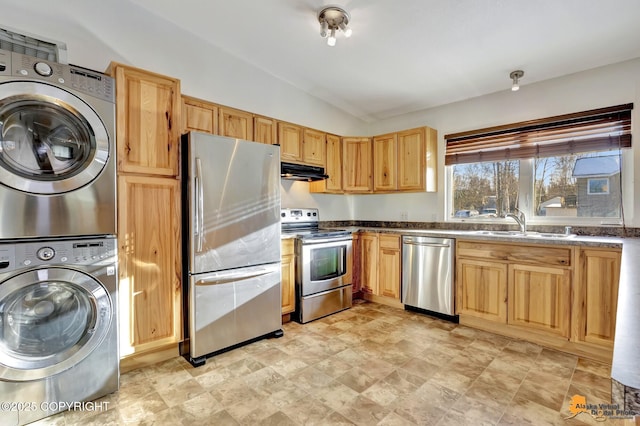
(404,55)
(408,55)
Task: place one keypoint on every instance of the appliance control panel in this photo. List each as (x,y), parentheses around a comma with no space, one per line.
(299,216)
(15,256)
(87,81)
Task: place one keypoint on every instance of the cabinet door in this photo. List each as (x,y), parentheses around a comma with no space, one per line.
(235,123)
(481,289)
(389,262)
(357,164)
(385,162)
(265,130)
(199,116)
(411,160)
(333,168)
(288,277)
(290,140)
(313,147)
(149,267)
(596,297)
(148,116)
(369,262)
(540,298)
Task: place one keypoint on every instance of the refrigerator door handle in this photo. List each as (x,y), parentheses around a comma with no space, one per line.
(199,213)
(237,276)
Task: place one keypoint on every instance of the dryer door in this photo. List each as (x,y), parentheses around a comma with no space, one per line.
(50,320)
(51,141)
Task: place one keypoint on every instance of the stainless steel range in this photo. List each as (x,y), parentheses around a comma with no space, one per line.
(323,265)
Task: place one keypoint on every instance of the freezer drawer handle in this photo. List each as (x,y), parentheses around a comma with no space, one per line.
(234,278)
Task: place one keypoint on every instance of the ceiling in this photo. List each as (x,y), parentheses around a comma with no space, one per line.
(408,55)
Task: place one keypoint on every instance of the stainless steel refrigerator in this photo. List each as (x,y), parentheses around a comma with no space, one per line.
(231,243)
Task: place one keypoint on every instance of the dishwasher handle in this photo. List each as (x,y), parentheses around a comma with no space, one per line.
(412,243)
(443,243)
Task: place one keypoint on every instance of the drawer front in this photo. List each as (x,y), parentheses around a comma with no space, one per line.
(542,255)
(389,242)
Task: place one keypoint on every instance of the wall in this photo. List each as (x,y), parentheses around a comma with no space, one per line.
(99,32)
(601,87)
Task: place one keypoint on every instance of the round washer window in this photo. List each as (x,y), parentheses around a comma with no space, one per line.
(51,141)
(50,319)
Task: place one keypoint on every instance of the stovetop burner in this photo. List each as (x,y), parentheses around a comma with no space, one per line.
(304,224)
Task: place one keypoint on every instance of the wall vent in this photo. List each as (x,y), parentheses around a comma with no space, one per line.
(33,45)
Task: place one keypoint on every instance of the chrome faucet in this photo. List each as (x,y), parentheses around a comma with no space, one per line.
(520,218)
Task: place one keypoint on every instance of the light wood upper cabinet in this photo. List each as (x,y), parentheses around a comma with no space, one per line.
(148,121)
(235,123)
(596,296)
(540,298)
(385,159)
(149,262)
(199,116)
(290,140)
(357,164)
(288,276)
(332,167)
(265,130)
(412,159)
(481,289)
(313,147)
(389,264)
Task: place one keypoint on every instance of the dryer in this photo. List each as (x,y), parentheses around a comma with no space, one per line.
(58,325)
(57,149)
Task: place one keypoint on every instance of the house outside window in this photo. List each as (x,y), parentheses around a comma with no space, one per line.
(563,170)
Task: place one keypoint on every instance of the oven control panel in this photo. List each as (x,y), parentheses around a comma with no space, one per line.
(299,216)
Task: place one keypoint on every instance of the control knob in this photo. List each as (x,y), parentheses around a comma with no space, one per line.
(46,253)
(43,69)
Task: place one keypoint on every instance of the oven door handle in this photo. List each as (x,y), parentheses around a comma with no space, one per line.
(326,241)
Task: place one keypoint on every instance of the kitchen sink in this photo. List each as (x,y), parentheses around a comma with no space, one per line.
(501,233)
(528,234)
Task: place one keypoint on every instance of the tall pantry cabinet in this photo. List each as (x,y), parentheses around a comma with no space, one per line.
(148,135)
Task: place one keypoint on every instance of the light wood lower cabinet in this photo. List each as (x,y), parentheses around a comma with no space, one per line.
(389,264)
(288,276)
(596,297)
(378,272)
(482,289)
(149,253)
(564,297)
(540,298)
(369,262)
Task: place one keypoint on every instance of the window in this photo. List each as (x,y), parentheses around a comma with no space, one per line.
(555,169)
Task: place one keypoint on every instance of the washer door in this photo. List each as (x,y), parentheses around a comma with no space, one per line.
(51,141)
(50,320)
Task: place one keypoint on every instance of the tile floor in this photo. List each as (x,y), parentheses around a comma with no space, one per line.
(369,365)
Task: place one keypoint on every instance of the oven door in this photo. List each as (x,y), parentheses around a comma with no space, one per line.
(323,264)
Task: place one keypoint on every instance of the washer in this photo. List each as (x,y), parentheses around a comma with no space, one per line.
(57,149)
(58,325)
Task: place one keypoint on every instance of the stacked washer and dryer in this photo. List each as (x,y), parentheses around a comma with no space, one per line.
(58,249)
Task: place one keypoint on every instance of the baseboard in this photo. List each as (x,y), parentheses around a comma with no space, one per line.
(135,361)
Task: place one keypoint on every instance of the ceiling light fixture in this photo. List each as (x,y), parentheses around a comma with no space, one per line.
(515,76)
(333,18)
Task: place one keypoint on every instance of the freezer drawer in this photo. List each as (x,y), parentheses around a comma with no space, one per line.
(325,303)
(427,273)
(231,307)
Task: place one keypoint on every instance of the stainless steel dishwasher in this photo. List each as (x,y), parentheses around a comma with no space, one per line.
(427,274)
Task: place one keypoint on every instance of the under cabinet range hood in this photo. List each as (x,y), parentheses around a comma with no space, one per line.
(302,172)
